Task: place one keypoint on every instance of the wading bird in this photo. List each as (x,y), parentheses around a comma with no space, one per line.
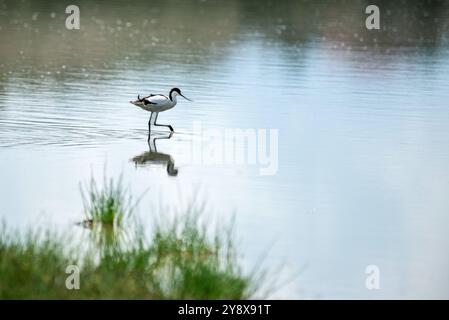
(156,103)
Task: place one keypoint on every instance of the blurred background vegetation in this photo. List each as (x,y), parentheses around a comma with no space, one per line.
(33,32)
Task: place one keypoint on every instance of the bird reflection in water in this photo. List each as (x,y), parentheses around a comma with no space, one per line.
(154,157)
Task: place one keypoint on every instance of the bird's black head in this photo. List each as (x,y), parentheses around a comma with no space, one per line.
(174,90)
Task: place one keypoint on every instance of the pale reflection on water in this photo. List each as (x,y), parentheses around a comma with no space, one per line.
(363,173)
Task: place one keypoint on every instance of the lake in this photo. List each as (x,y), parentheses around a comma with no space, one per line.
(358,164)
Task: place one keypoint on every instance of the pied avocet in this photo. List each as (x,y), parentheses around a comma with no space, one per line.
(156,103)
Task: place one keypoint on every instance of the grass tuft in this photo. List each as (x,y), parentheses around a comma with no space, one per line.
(109,205)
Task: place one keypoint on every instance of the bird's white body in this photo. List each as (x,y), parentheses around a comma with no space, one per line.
(157,103)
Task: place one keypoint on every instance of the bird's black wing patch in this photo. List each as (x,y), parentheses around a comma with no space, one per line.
(145,102)
(149,96)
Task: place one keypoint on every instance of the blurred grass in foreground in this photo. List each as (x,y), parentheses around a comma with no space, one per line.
(182,259)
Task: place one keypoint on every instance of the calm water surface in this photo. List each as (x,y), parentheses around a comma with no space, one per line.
(363,175)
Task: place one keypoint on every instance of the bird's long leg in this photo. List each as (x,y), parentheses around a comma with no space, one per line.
(149,126)
(163,125)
